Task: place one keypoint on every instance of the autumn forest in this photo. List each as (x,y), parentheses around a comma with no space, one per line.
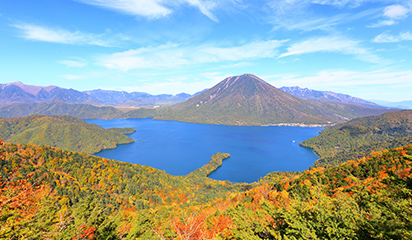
(50,193)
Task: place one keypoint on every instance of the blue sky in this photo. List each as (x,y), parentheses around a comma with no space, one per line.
(358,47)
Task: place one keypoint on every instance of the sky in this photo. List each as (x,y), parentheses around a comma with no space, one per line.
(357,47)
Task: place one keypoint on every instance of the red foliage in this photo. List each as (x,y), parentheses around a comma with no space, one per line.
(86,233)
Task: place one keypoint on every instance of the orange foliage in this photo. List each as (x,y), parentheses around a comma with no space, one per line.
(86,232)
(382,174)
(375,154)
(404,172)
(190,227)
(286,185)
(22,199)
(221,226)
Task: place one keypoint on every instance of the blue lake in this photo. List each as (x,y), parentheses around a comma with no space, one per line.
(179,148)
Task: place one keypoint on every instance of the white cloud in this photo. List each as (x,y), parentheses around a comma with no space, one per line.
(260,49)
(154,8)
(303,15)
(392,15)
(383,23)
(341,3)
(168,55)
(56,35)
(396,12)
(204,7)
(405,36)
(297,14)
(388,38)
(331,44)
(173,55)
(290,6)
(146,8)
(71,63)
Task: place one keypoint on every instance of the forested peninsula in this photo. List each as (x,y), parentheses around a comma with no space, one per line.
(66,132)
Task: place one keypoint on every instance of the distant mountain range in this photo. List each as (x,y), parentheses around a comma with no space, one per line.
(327,96)
(248,100)
(239,100)
(401,105)
(17,92)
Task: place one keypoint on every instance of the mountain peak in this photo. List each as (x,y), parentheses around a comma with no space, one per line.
(249,75)
(243,77)
(243,87)
(248,100)
(17,83)
(31,89)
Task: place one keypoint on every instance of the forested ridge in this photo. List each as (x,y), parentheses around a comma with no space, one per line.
(83,111)
(49,193)
(66,132)
(357,138)
(125,130)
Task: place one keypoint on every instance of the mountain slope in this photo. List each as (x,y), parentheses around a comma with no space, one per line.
(83,111)
(248,100)
(65,132)
(360,136)
(327,96)
(77,196)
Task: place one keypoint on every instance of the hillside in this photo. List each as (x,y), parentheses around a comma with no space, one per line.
(356,138)
(327,96)
(248,100)
(49,193)
(83,111)
(90,197)
(65,132)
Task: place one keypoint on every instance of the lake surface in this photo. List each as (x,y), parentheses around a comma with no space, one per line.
(179,148)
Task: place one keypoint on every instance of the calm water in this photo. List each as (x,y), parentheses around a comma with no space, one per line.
(179,148)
